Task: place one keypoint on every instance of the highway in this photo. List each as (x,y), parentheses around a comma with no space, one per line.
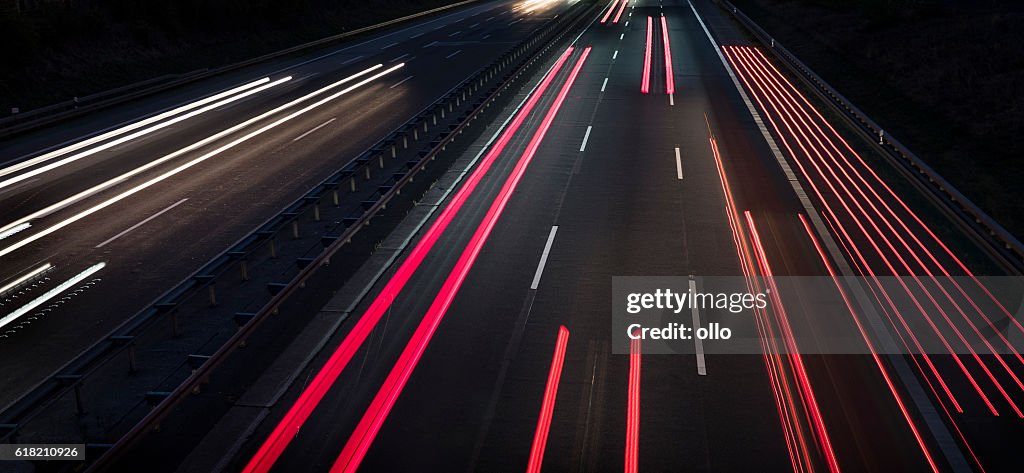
(158,200)
(659,140)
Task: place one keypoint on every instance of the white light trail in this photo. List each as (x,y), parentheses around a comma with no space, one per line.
(106,185)
(50,294)
(23,279)
(123,139)
(161,177)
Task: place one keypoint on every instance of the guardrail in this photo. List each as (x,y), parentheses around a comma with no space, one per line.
(457,105)
(48,115)
(1001,243)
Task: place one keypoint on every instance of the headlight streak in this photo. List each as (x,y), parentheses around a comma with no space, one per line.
(124,129)
(7,319)
(14,229)
(110,144)
(206,156)
(23,279)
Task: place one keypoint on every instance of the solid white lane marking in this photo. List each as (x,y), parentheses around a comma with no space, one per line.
(615,54)
(51,294)
(137,225)
(25,278)
(453,54)
(400,82)
(679,164)
(544,258)
(314,129)
(702,368)
(604,84)
(586,137)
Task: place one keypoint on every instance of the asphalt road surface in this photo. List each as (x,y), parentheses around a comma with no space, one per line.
(456,370)
(157,236)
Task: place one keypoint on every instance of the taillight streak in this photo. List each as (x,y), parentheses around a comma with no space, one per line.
(794,356)
(362,438)
(608,13)
(741,66)
(870,344)
(670,83)
(633,408)
(547,408)
(796,444)
(297,415)
(877,179)
(645,83)
(863,197)
(863,184)
(622,8)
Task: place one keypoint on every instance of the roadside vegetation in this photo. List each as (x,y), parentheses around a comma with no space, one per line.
(945,77)
(60,50)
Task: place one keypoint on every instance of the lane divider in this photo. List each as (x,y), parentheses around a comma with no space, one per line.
(362,438)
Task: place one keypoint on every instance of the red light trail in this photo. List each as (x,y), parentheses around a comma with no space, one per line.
(645,83)
(633,408)
(670,82)
(297,415)
(608,13)
(361,439)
